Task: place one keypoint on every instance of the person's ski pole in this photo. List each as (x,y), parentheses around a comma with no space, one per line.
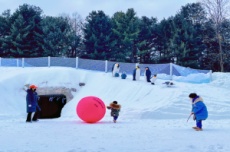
(189,116)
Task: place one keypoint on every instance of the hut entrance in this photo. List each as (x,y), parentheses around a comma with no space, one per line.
(51,105)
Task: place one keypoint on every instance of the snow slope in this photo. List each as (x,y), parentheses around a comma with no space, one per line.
(153,117)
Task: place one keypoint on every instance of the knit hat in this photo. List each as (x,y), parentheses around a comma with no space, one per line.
(33,86)
(192,95)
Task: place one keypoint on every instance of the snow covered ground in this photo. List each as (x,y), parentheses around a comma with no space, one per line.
(153,118)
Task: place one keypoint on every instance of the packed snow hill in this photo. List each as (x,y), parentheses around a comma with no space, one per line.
(153,118)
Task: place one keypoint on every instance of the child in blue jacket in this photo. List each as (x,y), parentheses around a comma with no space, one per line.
(199,110)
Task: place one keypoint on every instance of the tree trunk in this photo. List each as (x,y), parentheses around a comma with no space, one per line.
(220,53)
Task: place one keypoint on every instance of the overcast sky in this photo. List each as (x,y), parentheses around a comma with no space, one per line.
(150,8)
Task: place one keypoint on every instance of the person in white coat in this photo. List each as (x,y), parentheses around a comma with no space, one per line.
(115,69)
(136,73)
(153,79)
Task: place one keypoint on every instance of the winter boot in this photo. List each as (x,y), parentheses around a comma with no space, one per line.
(195,127)
(28,119)
(198,129)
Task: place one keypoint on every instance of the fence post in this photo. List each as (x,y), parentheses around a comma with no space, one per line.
(17,62)
(106,66)
(76,62)
(48,61)
(23,62)
(0,61)
(171,70)
(210,75)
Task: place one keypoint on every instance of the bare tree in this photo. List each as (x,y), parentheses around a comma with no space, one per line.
(217,11)
(77,23)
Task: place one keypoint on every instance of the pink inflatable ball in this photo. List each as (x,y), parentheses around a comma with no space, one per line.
(91,109)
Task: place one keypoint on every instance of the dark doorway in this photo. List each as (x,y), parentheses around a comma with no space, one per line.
(51,105)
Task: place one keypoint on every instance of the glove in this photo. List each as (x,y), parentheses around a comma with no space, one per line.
(38,108)
(194,117)
(29,105)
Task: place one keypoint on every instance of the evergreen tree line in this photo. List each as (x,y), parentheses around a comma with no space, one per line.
(188,39)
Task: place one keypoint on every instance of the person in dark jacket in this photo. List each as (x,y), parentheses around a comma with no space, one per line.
(199,110)
(32,103)
(115,109)
(147,74)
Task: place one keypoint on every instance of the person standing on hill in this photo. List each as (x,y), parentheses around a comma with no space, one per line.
(147,74)
(115,109)
(153,79)
(136,73)
(199,110)
(32,103)
(115,69)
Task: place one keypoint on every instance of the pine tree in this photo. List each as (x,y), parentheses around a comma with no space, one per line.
(57,36)
(164,45)
(97,36)
(5,33)
(26,33)
(125,35)
(146,39)
(188,37)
